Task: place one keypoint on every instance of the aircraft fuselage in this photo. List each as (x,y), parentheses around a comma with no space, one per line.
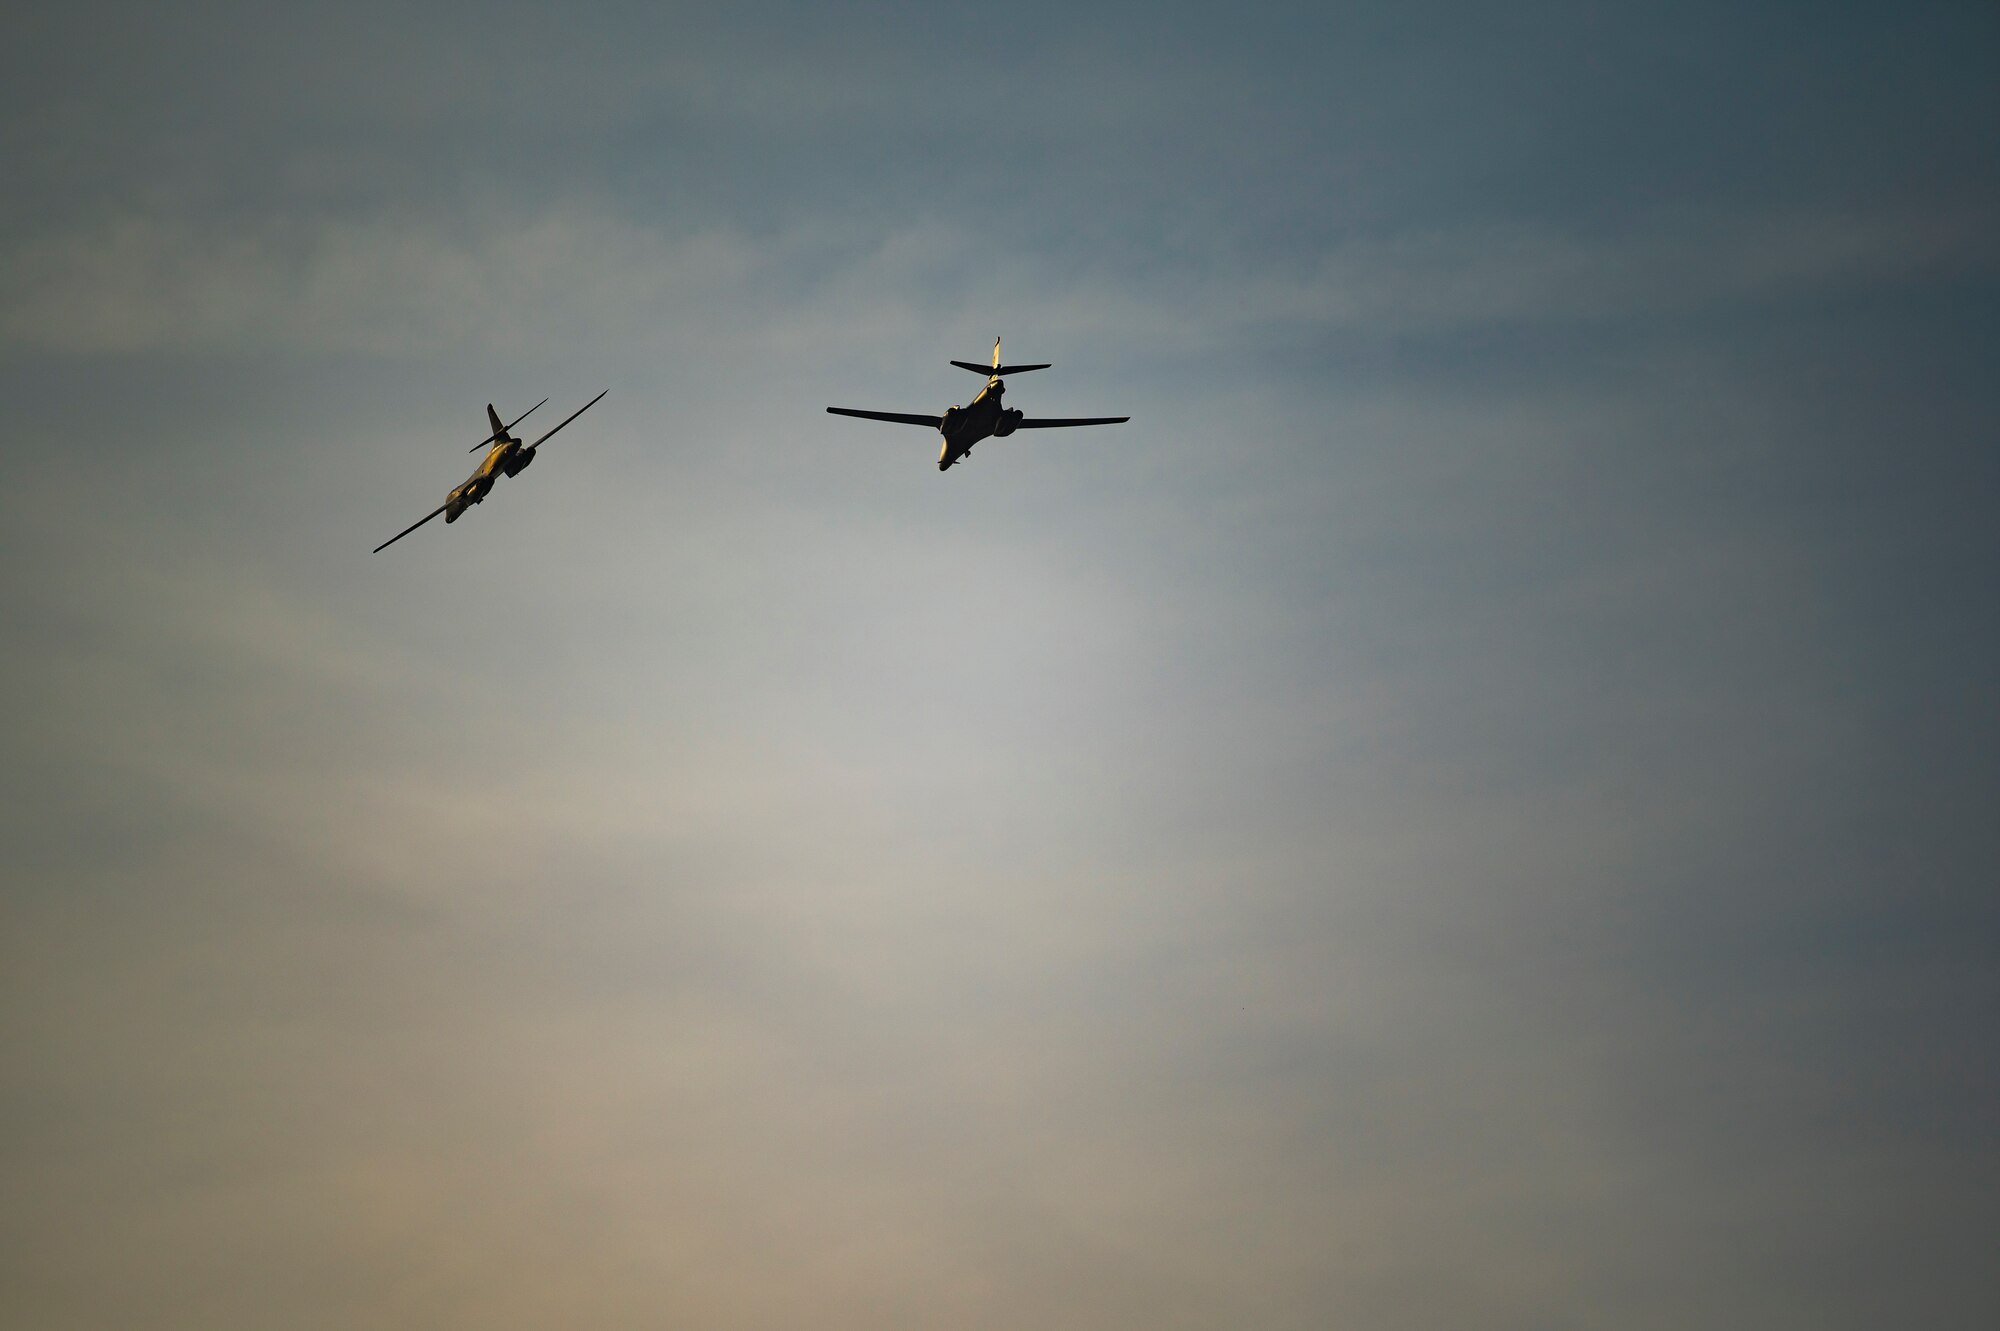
(506,458)
(982,418)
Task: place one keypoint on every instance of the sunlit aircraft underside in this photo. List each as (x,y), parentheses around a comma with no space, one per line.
(505,455)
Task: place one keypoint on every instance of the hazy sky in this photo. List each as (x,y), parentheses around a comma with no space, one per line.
(1476,808)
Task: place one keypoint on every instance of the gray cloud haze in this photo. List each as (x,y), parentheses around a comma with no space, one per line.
(1475,807)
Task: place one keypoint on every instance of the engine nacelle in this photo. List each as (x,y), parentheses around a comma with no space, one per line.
(520,462)
(1007,423)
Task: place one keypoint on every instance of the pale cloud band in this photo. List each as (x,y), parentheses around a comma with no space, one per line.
(402,286)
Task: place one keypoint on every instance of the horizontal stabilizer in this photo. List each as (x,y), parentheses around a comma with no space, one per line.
(500,430)
(1000,369)
(1047,423)
(899,417)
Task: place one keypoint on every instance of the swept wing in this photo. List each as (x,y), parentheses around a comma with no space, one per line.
(407,530)
(567,419)
(900,417)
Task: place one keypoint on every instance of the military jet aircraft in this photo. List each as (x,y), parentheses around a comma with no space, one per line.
(983,417)
(506,454)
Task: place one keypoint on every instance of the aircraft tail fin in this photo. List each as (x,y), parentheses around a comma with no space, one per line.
(499,430)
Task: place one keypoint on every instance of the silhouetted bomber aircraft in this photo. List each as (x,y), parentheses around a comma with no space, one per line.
(983,417)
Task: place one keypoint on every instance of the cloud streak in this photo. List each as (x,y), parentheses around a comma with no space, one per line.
(391,285)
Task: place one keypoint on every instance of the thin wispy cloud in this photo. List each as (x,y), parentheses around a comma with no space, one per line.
(515,284)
